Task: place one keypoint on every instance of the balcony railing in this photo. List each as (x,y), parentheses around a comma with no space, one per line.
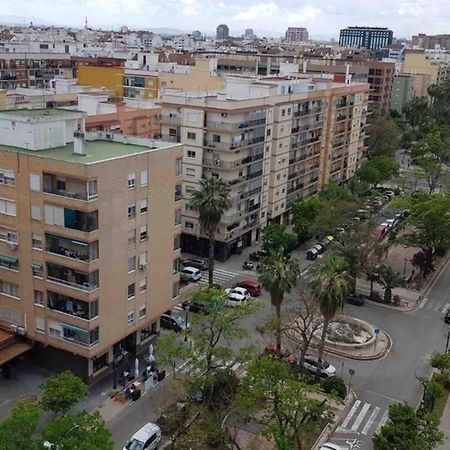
(251,192)
(73,278)
(252,175)
(70,187)
(72,306)
(227,126)
(306,112)
(170,120)
(71,248)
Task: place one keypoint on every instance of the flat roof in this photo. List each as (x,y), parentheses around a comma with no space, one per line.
(39,113)
(97,151)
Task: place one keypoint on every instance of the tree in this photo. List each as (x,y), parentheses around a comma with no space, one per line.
(384,138)
(304,213)
(302,329)
(19,430)
(278,276)
(330,283)
(276,239)
(416,111)
(377,250)
(389,280)
(378,170)
(440,102)
(284,404)
(432,170)
(169,351)
(61,392)
(407,430)
(81,431)
(211,201)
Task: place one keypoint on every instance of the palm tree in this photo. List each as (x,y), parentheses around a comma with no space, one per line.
(330,283)
(278,276)
(211,201)
(389,280)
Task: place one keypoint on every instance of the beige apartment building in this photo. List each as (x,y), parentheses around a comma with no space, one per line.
(89,239)
(275,140)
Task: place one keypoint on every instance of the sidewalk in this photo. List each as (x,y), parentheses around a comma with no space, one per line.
(445,427)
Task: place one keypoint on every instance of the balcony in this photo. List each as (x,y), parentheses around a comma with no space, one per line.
(234,126)
(307,112)
(87,338)
(170,138)
(73,278)
(233,145)
(252,175)
(10,262)
(251,192)
(170,120)
(71,218)
(178,192)
(72,306)
(70,187)
(81,251)
(209,162)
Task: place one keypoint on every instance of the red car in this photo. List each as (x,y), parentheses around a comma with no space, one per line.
(252,286)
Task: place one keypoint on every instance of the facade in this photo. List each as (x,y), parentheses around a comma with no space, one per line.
(102,77)
(296,34)
(402,91)
(381,76)
(431,42)
(89,241)
(436,65)
(367,37)
(222,32)
(276,141)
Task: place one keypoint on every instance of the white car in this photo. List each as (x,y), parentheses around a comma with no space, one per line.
(312,363)
(391,222)
(236,296)
(147,438)
(330,446)
(190,274)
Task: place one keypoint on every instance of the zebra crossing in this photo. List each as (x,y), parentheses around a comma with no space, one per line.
(435,305)
(221,276)
(363,419)
(194,370)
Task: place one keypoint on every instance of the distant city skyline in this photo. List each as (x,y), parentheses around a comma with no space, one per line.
(405,18)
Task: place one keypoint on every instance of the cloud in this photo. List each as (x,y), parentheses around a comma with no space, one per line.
(258,11)
(307,13)
(190,7)
(410,10)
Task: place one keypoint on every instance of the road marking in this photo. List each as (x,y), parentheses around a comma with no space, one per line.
(350,414)
(372,418)
(424,301)
(445,308)
(360,417)
(382,421)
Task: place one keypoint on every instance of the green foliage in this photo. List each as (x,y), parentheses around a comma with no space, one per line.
(440,102)
(334,385)
(18,430)
(82,431)
(440,361)
(384,138)
(304,213)
(221,390)
(407,430)
(416,111)
(61,392)
(276,239)
(389,279)
(378,170)
(280,401)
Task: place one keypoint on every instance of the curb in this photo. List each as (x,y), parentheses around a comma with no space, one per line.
(429,284)
(393,308)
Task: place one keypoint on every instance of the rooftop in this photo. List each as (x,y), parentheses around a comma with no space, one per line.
(98,149)
(32,115)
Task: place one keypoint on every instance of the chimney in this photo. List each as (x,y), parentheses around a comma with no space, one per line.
(348,76)
(79,143)
(304,65)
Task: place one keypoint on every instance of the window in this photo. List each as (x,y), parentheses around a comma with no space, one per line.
(175,289)
(36,241)
(131,211)
(91,187)
(192,117)
(131,180)
(191,154)
(132,236)
(191,135)
(39,298)
(144,206)
(131,264)
(143,260)
(144,178)
(177,242)
(283,112)
(178,166)
(8,288)
(143,233)
(36,212)
(7,235)
(189,225)
(178,192)
(37,269)
(176,266)
(54,215)
(35,182)
(178,217)
(7,177)
(142,313)
(269,132)
(190,172)
(7,207)
(143,285)
(130,318)
(40,325)
(188,207)
(216,137)
(131,291)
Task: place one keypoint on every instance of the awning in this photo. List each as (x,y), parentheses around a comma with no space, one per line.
(36,266)
(8,259)
(13,350)
(71,241)
(73,328)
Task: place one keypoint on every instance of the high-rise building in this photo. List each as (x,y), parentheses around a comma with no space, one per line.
(381,77)
(365,37)
(402,91)
(275,140)
(89,239)
(196,35)
(430,42)
(249,34)
(222,32)
(296,34)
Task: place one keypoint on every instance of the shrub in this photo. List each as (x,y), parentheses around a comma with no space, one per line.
(221,390)
(396,300)
(376,297)
(334,385)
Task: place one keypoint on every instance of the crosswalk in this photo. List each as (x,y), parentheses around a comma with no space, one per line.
(434,304)
(221,276)
(194,370)
(363,418)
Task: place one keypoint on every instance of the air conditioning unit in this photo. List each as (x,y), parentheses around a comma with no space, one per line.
(12,245)
(13,328)
(109,136)
(21,331)
(142,266)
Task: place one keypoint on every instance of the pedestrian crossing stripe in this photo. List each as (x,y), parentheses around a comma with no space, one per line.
(365,416)
(219,275)
(382,422)
(372,418)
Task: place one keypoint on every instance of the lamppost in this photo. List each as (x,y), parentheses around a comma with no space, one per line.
(448,339)
(186,323)
(115,363)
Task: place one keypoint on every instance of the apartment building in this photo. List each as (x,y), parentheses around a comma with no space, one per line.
(296,35)
(275,140)
(89,239)
(366,37)
(381,78)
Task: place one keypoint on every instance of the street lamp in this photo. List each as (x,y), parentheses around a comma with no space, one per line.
(448,339)
(186,323)
(115,361)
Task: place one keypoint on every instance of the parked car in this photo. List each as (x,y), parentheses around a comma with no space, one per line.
(312,364)
(386,225)
(146,438)
(236,296)
(252,286)
(389,194)
(312,254)
(175,323)
(319,247)
(190,274)
(195,307)
(357,299)
(200,264)
(447,317)
(331,446)
(391,222)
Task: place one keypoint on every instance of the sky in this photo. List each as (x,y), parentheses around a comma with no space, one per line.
(322,18)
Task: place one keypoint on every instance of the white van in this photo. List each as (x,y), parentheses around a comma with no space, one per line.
(190,274)
(147,438)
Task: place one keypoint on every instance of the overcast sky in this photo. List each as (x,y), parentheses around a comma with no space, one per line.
(405,17)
